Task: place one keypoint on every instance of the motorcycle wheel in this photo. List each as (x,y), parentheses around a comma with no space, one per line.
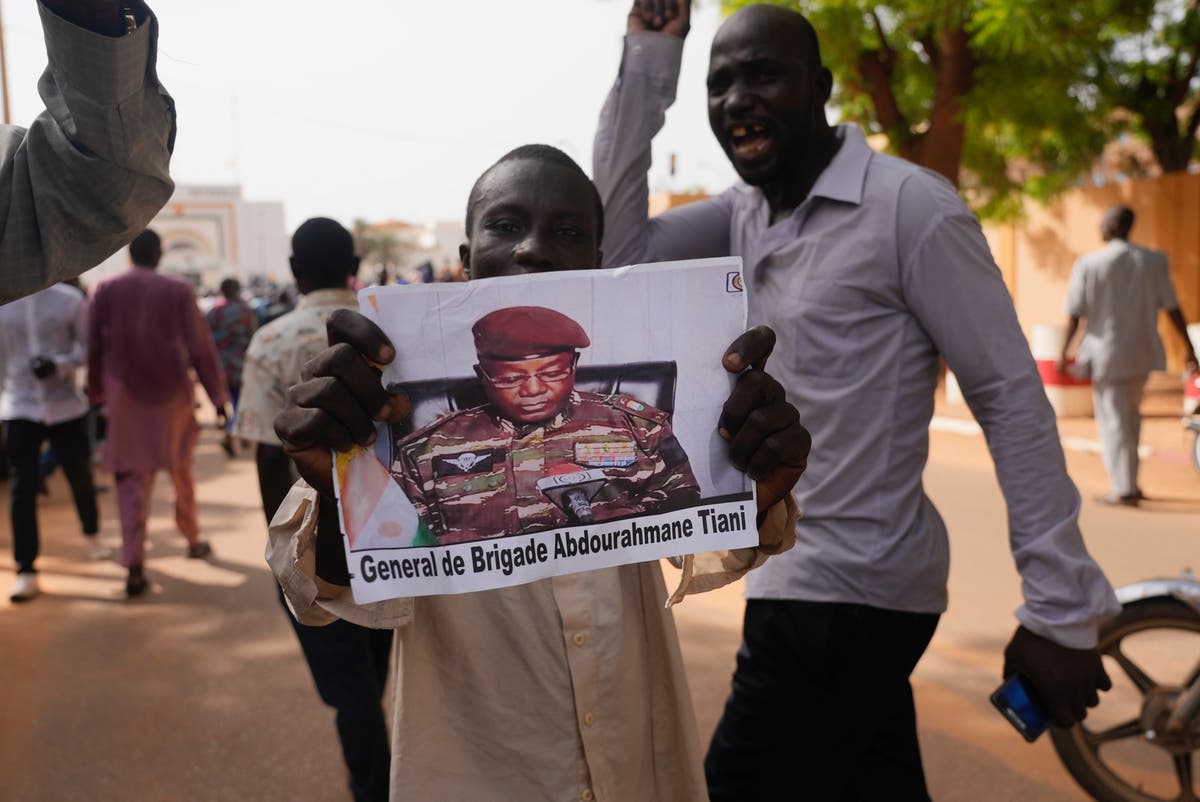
(1079,748)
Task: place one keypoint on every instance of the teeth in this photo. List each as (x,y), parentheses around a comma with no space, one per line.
(739,130)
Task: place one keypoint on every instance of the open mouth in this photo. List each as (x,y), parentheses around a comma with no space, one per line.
(750,140)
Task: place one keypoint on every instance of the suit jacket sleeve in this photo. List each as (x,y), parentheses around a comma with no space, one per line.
(92,169)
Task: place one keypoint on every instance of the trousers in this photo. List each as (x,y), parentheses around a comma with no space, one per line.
(1119,424)
(821,708)
(349,666)
(71,442)
(133,504)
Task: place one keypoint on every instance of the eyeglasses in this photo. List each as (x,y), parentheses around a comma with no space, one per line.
(511,381)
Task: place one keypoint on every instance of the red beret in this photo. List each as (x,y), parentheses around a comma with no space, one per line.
(523,332)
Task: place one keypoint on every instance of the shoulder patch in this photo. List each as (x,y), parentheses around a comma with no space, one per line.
(632,406)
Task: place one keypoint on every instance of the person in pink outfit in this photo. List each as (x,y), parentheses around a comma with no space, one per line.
(145,333)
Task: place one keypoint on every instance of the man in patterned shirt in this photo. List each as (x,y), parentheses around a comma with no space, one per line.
(480,472)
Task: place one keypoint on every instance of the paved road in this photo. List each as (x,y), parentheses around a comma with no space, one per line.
(198,692)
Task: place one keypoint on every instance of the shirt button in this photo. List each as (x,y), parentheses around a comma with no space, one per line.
(589,719)
(587,795)
(579,639)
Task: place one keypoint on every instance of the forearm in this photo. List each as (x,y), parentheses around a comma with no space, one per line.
(1069,336)
(66,364)
(275,477)
(1066,594)
(1176,316)
(301,535)
(93,168)
(632,115)
(714,569)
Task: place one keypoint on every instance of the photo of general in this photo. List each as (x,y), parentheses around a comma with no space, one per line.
(536,442)
(556,423)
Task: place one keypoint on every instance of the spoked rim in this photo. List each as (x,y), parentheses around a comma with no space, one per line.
(1147,725)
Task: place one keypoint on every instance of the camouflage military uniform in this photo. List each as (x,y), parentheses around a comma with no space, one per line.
(276,354)
(472,474)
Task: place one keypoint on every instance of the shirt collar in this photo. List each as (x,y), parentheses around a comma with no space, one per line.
(843,179)
(328,297)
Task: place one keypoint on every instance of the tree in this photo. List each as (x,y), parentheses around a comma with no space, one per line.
(993,94)
(1152,71)
(378,247)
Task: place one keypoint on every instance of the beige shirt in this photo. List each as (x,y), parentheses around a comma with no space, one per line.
(570,688)
(276,356)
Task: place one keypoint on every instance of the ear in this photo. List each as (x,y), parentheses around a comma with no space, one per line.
(464,256)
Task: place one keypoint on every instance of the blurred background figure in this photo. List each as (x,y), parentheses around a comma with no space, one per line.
(1118,290)
(349,663)
(145,333)
(232,322)
(42,345)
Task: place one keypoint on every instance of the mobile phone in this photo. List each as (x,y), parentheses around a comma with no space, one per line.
(1015,701)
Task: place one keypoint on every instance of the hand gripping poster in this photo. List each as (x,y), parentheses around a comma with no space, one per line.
(552,423)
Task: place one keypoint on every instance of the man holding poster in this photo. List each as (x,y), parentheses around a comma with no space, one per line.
(570,687)
(484,472)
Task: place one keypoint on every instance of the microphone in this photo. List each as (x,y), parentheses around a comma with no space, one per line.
(573,492)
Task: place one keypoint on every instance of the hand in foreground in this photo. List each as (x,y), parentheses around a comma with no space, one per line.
(672,17)
(763,430)
(341,398)
(42,367)
(1064,680)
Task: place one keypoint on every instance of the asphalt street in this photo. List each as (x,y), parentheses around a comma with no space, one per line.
(198,692)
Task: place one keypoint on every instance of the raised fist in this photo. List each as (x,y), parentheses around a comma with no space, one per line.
(672,17)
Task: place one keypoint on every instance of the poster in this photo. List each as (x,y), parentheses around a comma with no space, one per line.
(556,423)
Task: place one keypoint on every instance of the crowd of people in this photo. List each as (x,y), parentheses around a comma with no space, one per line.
(863,272)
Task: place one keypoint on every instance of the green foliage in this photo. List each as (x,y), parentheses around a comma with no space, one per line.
(1036,108)
(1150,68)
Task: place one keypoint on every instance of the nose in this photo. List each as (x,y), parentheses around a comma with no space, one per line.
(532,386)
(737,101)
(533,251)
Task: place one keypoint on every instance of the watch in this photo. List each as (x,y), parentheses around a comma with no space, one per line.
(128,18)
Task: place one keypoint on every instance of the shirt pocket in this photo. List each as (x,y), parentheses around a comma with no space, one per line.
(824,341)
(473,504)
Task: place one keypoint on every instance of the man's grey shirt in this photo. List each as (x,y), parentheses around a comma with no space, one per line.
(92,170)
(1119,289)
(877,273)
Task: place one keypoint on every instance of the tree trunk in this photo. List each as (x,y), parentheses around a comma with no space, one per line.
(1172,150)
(941,145)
